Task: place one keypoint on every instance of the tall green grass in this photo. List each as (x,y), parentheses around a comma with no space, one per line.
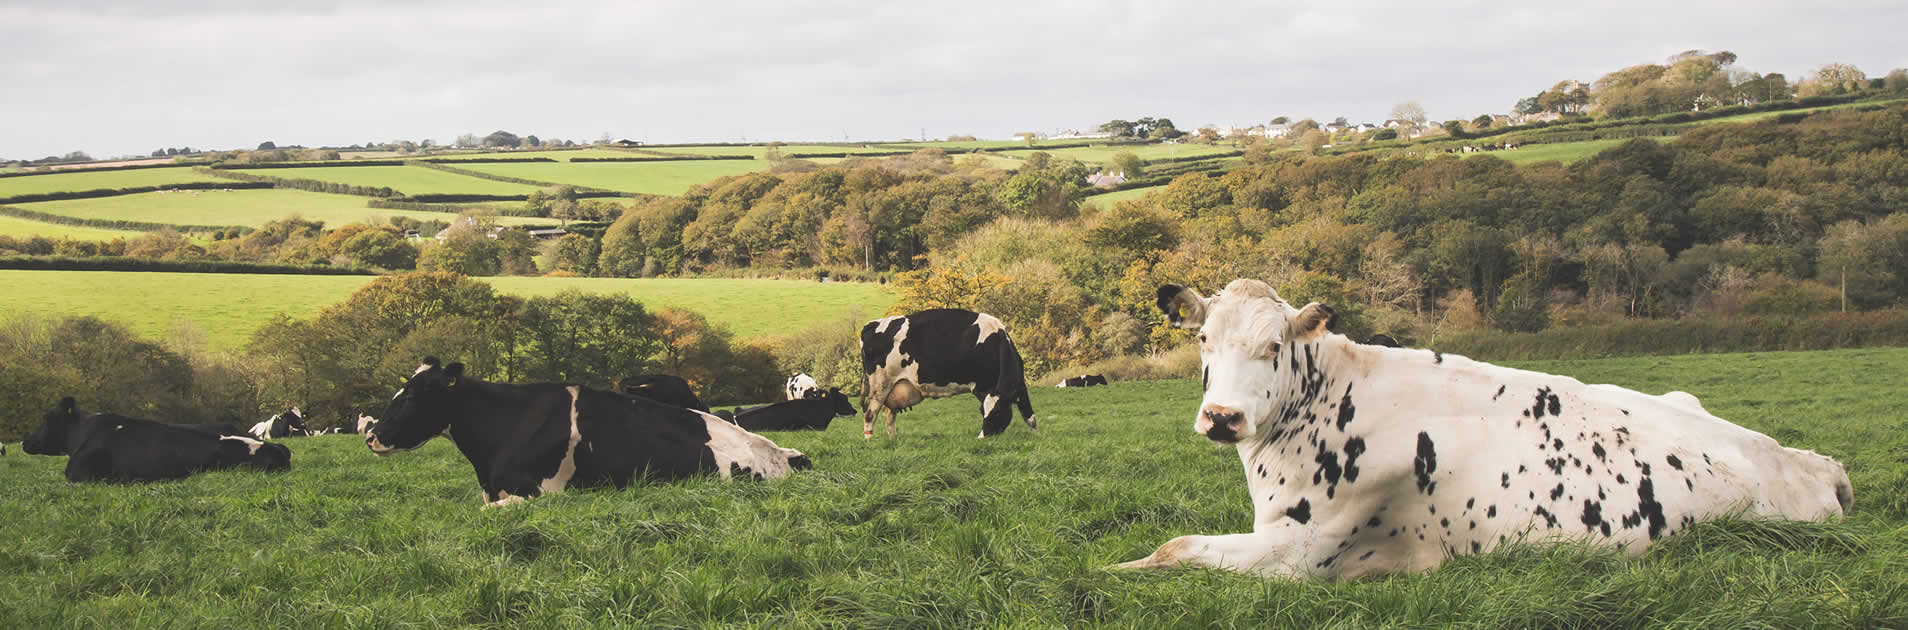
(67,182)
(239,207)
(410,180)
(21,228)
(936,530)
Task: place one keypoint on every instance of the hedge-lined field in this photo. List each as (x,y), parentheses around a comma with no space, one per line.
(758,150)
(1100,154)
(18,227)
(560,156)
(1565,152)
(73,182)
(656,178)
(934,530)
(1107,200)
(226,308)
(410,180)
(238,207)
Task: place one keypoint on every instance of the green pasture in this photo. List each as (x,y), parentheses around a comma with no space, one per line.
(24,228)
(1107,200)
(73,182)
(226,308)
(1755,116)
(1565,152)
(560,156)
(934,530)
(253,207)
(410,180)
(656,178)
(757,150)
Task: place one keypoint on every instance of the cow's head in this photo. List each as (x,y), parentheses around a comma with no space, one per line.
(839,402)
(1243,331)
(55,426)
(420,411)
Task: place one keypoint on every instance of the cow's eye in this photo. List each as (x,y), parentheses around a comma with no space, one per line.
(1202,338)
(1272,350)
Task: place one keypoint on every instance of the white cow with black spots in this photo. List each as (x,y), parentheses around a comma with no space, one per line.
(1364,460)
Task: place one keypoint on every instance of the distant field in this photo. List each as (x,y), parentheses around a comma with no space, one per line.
(1107,200)
(1098,155)
(656,178)
(976,144)
(64,182)
(560,156)
(759,150)
(238,207)
(1565,152)
(226,308)
(20,228)
(1754,116)
(411,180)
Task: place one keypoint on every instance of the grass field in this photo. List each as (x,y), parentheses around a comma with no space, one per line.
(67,182)
(759,150)
(1565,152)
(656,178)
(560,156)
(936,530)
(1107,200)
(21,228)
(226,308)
(1755,116)
(410,180)
(237,207)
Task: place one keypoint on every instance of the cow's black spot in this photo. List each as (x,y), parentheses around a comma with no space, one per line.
(1690,484)
(1393,533)
(1491,512)
(1374,522)
(1556,465)
(1537,408)
(1476,548)
(1437,357)
(1649,509)
(1426,462)
(1445,523)
(1620,479)
(1556,492)
(1500,392)
(1329,470)
(1550,521)
(1597,450)
(1353,448)
(1261,470)
(1506,482)
(1675,463)
(1301,512)
(1470,502)
(1556,408)
(1367,555)
(1521,469)
(1592,514)
(1557,443)
(1345,409)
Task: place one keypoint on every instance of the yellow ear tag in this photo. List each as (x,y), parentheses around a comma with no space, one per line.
(453,382)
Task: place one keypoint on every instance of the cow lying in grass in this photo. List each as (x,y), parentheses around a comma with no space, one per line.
(1363,459)
(109,447)
(526,440)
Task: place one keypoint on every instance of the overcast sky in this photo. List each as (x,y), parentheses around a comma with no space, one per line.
(117,77)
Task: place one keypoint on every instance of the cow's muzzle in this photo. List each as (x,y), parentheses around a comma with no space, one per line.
(1220,424)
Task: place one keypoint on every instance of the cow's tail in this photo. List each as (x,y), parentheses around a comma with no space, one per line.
(1012,368)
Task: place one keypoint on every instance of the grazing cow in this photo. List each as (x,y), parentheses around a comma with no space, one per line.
(802,386)
(1083,380)
(793,415)
(939,353)
(1381,340)
(108,447)
(526,440)
(288,424)
(662,388)
(1364,460)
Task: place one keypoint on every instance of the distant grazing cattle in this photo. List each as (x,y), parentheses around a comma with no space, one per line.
(802,386)
(108,447)
(662,388)
(1083,380)
(939,353)
(1365,460)
(288,424)
(526,440)
(792,415)
(1381,340)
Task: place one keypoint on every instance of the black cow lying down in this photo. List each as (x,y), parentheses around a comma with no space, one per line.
(526,440)
(1084,380)
(794,415)
(108,447)
(662,388)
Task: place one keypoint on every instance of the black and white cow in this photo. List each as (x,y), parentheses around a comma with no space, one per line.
(1083,380)
(288,424)
(939,353)
(526,440)
(802,386)
(1382,339)
(108,447)
(1366,460)
(794,415)
(662,388)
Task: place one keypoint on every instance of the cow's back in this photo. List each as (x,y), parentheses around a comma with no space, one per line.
(129,449)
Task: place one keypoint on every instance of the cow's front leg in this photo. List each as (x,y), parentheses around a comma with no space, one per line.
(891,429)
(1257,553)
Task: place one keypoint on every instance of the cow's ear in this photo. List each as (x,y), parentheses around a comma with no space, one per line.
(67,405)
(1183,307)
(430,361)
(1312,321)
(455,371)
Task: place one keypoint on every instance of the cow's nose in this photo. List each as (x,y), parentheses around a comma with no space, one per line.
(1221,424)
